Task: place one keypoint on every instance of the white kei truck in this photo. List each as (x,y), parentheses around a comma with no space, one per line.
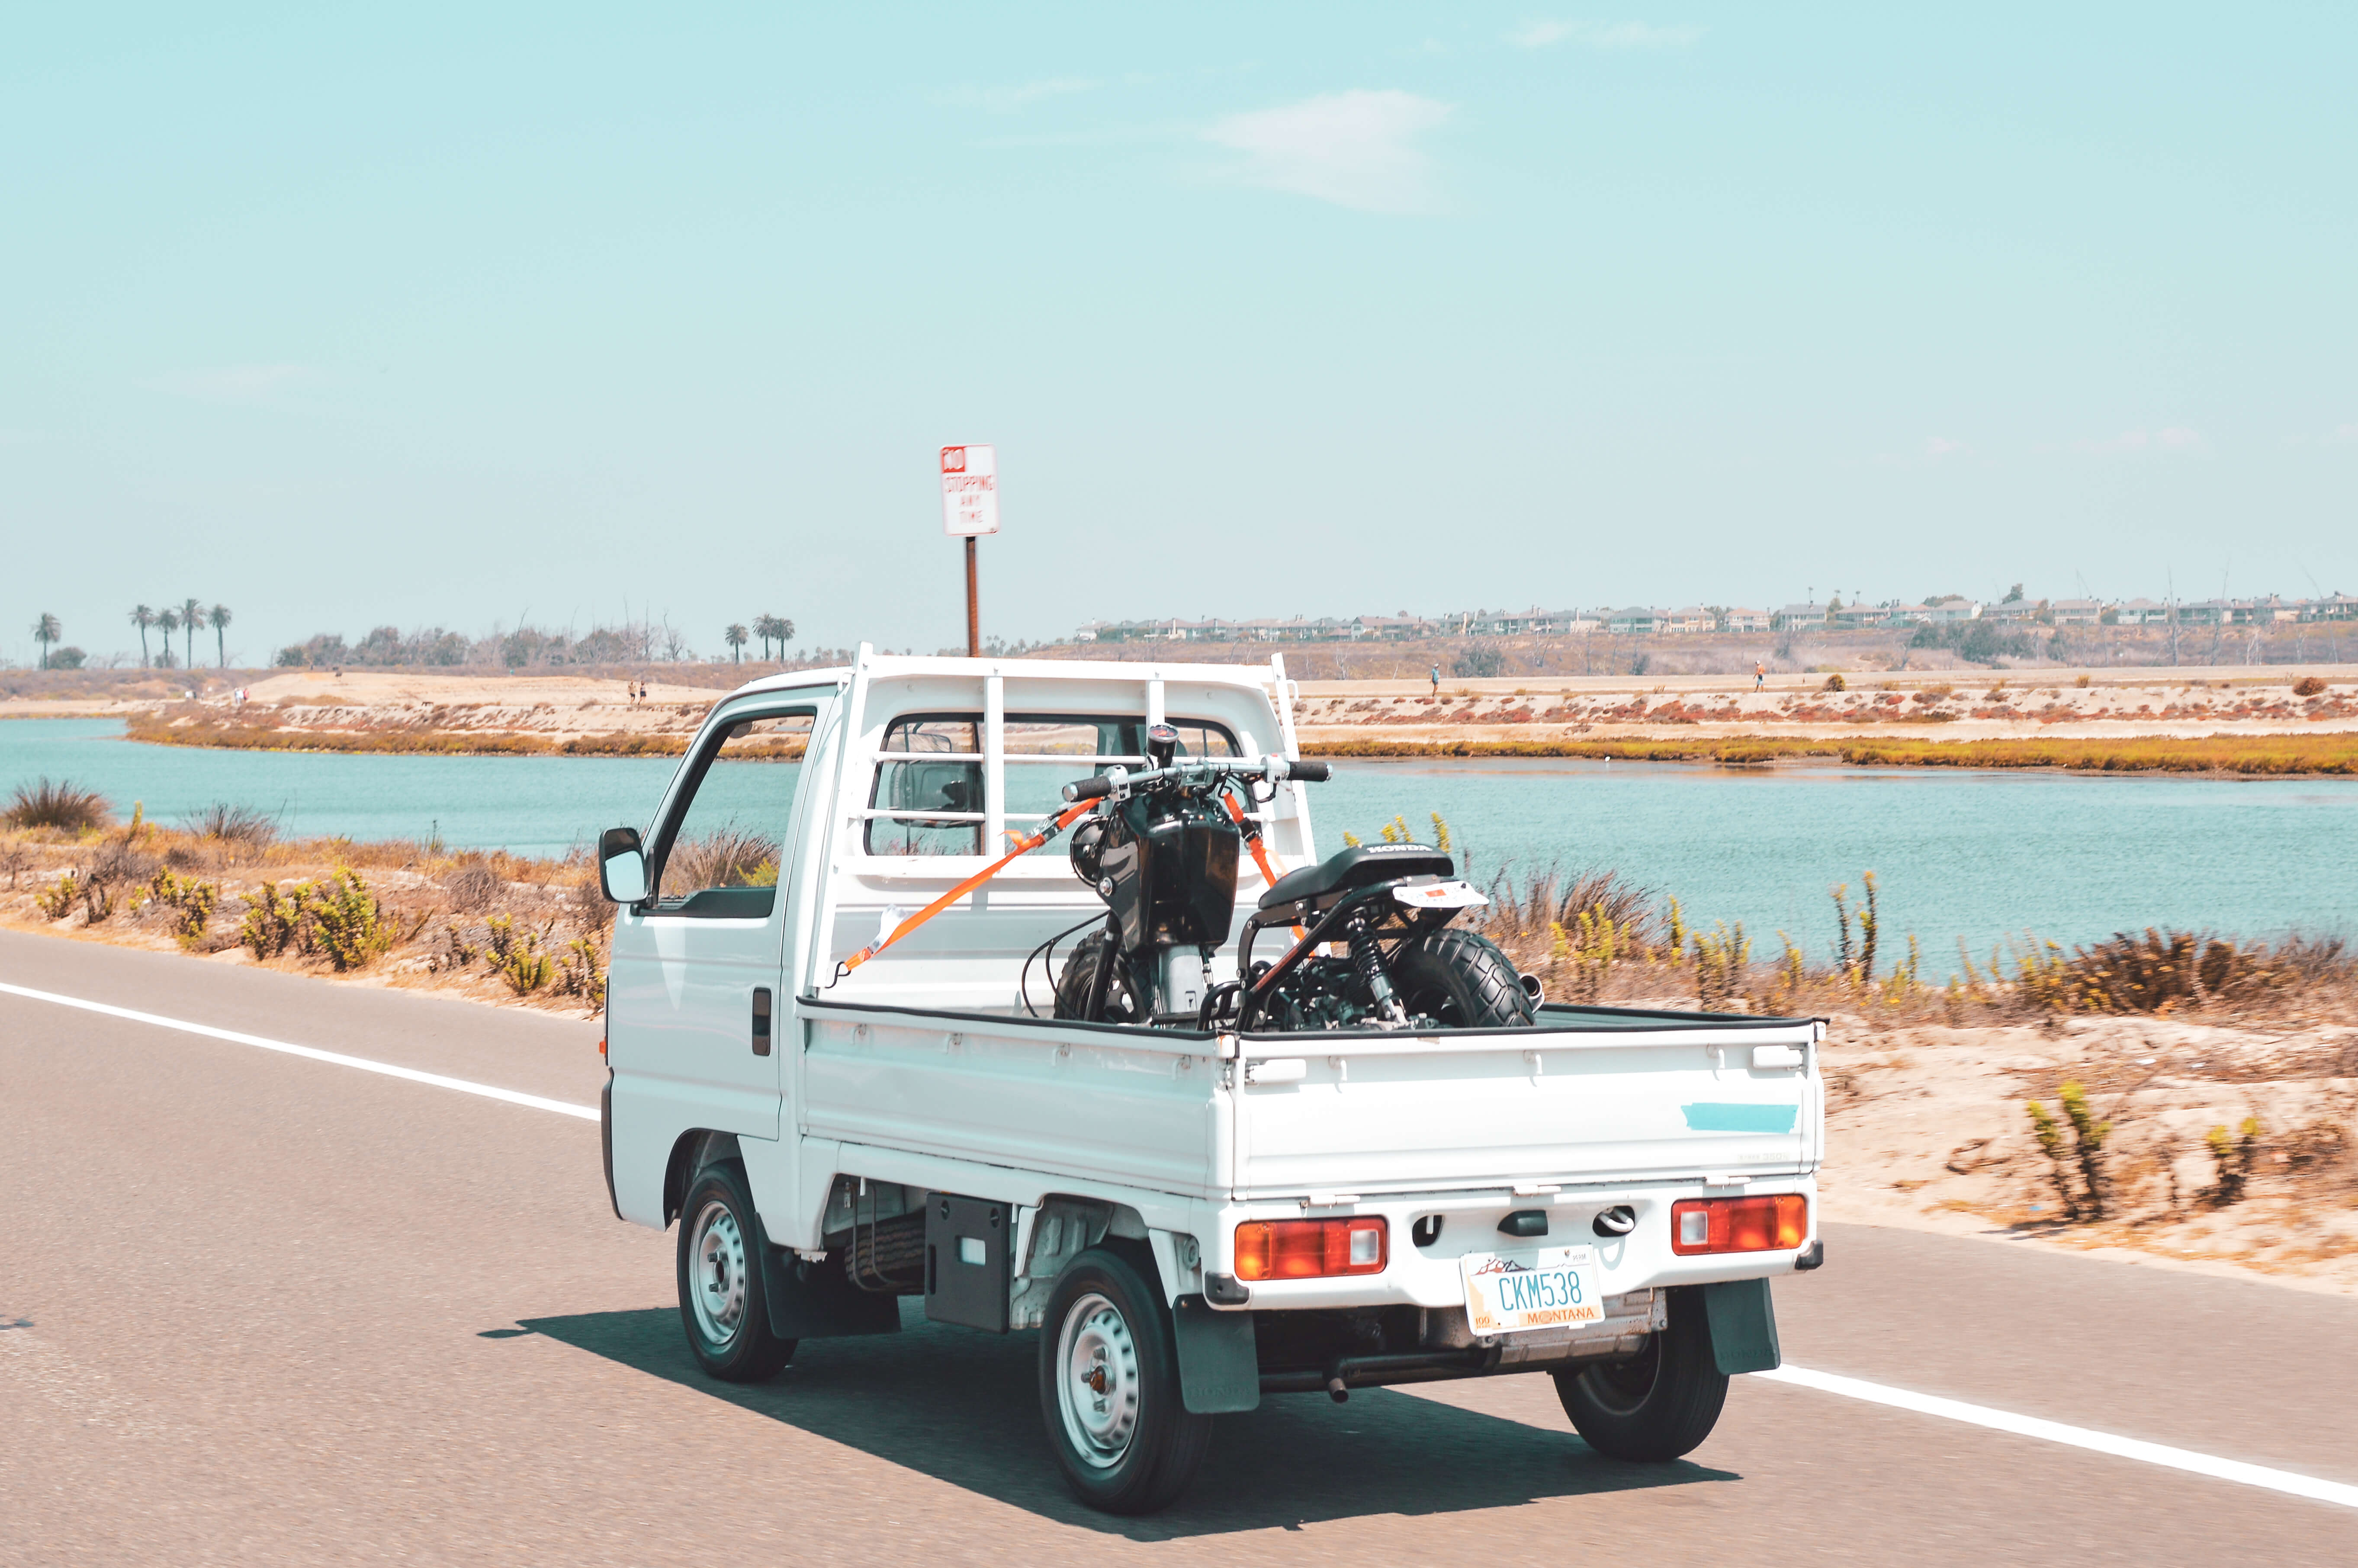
(1192,1215)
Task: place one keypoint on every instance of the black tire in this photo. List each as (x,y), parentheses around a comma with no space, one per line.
(1461,980)
(1657,1405)
(1123,1002)
(1109,1389)
(723,1304)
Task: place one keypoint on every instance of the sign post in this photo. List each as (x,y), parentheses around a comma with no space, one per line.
(970,509)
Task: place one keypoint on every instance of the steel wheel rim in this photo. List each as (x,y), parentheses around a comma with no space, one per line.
(1622,1388)
(1098,1383)
(717,1256)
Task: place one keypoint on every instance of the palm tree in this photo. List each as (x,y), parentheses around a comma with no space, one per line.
(142,618)
(735,638)
(168,621)
(46,631)
(777,627)
(192,621)
(221,619)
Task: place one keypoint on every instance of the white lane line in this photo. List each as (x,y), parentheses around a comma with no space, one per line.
(2072,1436)
(336,1058)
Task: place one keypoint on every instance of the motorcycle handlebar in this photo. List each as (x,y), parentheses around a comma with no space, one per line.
(1103,784)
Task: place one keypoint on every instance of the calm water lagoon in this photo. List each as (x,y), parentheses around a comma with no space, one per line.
(1972,854)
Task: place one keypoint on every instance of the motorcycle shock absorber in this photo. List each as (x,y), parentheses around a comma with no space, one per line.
(1368,962)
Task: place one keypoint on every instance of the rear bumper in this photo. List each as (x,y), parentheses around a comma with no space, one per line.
(1429,1275)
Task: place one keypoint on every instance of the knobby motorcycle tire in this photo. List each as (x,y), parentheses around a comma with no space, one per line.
(1073,986)
(1461,980)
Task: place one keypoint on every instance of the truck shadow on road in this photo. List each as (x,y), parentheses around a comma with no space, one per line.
(964,1408)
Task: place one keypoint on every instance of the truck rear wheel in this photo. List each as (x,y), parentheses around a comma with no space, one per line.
(1460,979)
(1657,1405)
(1109,1389)
(723,1303)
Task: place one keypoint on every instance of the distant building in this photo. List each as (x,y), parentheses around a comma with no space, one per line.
(1690,618)
(1945,611)
(1795,616)
(1852,617)
(2076,612)
(1745,620)
(1634,622)
(1912,614)
(2333,607)
(2141,613)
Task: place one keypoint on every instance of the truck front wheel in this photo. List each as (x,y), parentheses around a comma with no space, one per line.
(1109,1389)
(1660,1404)
(722,1304)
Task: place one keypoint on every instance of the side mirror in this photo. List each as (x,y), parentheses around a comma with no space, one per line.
(622,866)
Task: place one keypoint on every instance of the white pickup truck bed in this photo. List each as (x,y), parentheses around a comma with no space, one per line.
(922,1083)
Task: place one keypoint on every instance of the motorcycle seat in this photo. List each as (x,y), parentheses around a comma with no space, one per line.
(1362,865)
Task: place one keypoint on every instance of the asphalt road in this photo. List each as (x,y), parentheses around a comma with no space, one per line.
(258,1308)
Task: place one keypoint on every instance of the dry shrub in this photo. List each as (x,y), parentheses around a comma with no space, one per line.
(474,886)
(59,803)
(1525,921)
(2309,685)
(2164,970)
(248,826)
(728,856)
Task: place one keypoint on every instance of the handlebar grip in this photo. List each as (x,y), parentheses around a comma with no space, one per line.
(1311,773)
(1097,788)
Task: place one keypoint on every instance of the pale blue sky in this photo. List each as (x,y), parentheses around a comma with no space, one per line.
(450,314)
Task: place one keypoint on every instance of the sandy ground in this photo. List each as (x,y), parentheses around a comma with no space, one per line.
(1935,705)
(1927,1126)
(1941,706)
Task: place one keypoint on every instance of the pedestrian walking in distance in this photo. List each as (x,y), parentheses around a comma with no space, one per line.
(1436,680)
(1759,675)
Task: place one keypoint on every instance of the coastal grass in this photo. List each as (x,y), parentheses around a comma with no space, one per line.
(58,804)
(2253,755)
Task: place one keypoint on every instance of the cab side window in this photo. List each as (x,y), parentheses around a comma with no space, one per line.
(724,846)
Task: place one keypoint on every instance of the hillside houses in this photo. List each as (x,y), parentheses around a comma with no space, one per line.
(1700,620)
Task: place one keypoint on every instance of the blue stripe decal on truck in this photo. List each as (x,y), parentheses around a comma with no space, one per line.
(1717,1118)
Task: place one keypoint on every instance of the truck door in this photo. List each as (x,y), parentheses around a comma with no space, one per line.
(695,1013)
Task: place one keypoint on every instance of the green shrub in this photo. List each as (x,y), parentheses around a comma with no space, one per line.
(273,922)
(518,959)
(338,919)
(58,901)
(577,973)
(2090,1196)
(193,900)
(347,922)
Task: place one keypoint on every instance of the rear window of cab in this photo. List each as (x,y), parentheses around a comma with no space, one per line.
(927,795)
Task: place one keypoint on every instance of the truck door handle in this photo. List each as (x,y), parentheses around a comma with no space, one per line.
(761,1021)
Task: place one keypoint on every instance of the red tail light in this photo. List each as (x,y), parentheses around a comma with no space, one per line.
(1310,1248)
(1777,1224)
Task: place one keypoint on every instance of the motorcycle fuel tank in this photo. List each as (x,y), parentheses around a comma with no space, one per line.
(1173,878)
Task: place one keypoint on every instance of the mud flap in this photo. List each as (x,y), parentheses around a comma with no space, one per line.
(1219,1370)
(1743,1325)
(813,1300)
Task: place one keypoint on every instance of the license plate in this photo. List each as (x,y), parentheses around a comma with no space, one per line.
(1509,1292)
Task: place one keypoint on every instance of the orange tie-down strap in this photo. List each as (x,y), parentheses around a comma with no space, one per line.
(1251,830)
(1023,847)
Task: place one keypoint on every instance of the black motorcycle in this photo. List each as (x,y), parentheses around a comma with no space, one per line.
(1370,945)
